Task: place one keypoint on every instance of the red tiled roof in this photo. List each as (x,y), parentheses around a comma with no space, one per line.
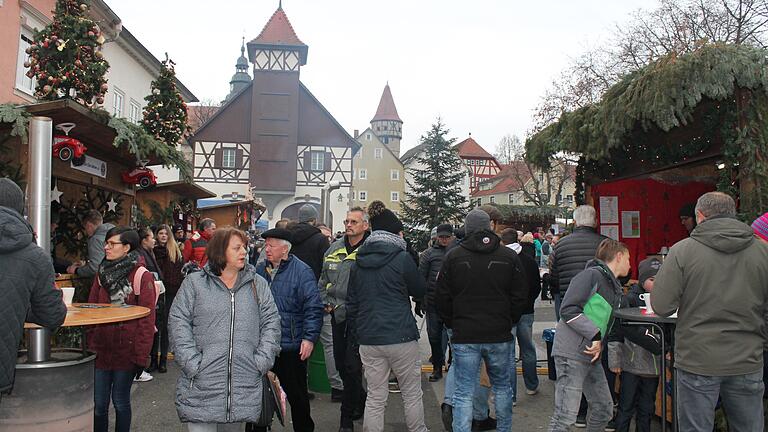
(511,178)
(470,149)
(278,31)
(386,109)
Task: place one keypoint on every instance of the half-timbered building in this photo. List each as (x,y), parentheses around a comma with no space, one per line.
(481,164)
(273,137)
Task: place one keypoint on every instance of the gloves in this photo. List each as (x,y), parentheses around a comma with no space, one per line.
(418,310)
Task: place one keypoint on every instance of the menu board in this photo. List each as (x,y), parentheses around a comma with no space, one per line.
(630,224)
(609,210)
(610,231)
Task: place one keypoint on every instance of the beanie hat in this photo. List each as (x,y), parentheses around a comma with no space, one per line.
(433,233)
(307,212)
(477,220)
(11,195)
(647,269)
(688,210)
(760,226)
(383,219)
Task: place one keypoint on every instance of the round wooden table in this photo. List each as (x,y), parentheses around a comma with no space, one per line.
(85,314)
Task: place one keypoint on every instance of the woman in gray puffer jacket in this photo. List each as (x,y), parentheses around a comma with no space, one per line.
(225,334)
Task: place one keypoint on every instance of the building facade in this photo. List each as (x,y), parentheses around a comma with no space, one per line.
(481,164)
(378,173)
(517,184)
(273,137)
(411,163)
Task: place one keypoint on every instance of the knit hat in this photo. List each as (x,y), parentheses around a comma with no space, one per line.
(383,219)
(11,195)
(433,233)
(688,210)
(647,269)
(760,226)
(307,212)
(477,220)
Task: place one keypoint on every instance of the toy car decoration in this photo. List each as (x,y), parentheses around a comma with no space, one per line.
(68,148)
(142,176)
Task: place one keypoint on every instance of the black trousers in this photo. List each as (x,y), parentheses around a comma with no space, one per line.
(292,373)
(350,367)
(637,397)
(160,340)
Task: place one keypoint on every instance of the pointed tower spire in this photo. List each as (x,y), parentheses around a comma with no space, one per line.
(386,123)
(278,44)
(241,78)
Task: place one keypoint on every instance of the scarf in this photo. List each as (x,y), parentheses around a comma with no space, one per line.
(113,276)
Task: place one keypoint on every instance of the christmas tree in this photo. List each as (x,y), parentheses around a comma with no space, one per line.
(165,116)
(66,56)
(435,195)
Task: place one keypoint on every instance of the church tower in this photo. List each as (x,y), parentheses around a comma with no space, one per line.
(386,124)
(241,78)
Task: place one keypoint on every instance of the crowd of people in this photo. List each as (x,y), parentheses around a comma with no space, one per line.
(231,307)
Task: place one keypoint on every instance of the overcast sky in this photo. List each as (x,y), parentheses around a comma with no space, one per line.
(481,65)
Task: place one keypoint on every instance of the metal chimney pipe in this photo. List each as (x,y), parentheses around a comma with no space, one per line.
(39,187)
(39,211)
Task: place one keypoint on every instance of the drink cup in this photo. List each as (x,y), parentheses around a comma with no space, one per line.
(646,297)
(68,294)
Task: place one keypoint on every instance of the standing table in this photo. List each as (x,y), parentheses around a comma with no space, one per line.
(53,390)
(639,317)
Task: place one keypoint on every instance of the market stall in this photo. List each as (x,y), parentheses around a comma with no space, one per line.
(171,203)
(239,214)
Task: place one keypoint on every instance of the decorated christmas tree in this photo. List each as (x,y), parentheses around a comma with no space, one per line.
(66,56)
(165,116)
(435,196)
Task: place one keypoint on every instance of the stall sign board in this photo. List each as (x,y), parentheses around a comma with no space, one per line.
(630,224)
(609,210)
(610,231)
(92,166)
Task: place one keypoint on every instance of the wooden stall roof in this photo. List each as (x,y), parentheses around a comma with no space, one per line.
(92,129)
(187,190)
(256,204)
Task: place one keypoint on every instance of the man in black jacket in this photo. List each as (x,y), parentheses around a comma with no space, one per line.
(524,328)
(27,284)
(429,266)
(481,293)
(571,253)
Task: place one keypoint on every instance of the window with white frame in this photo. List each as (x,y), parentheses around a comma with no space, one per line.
(493,199)
(377,153)
(394,196)
(228,158)
(394,174)
(363,174)
(317,161)
(362,196)
(135,113)
(511,198)
(118,97)
(23,82)
(367,137)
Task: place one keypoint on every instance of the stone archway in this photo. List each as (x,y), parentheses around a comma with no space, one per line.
(292,211)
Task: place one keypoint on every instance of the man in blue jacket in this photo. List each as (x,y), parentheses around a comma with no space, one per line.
(294,289)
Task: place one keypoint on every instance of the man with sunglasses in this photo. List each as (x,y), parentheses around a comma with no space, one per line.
(334,278)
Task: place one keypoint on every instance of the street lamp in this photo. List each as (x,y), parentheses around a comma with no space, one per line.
(325,201)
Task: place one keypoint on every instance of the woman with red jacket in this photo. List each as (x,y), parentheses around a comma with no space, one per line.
(121,349)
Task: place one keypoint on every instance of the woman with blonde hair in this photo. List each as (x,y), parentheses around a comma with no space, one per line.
(526,242)
(168,257)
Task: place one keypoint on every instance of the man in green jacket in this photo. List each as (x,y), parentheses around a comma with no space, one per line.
(717,281)
(334,279)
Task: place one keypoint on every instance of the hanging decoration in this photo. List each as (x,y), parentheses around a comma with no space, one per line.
(66,57)
(141,175)
(56,194)
(68,148)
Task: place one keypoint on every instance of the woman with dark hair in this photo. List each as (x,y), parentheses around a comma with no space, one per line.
(225,335)
(121,349)
(169,261)
(146,251)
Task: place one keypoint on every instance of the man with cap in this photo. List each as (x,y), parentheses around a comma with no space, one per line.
(27,285)
(481,293)
(179,235)
(294,289)
(717,282)
(310,245)
(688,216)
(379,318)
(429,266)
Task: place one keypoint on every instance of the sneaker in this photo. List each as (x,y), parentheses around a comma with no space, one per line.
(144,377)
(611,426)
(581,421)
(486,424)
(531,392)
(394,387)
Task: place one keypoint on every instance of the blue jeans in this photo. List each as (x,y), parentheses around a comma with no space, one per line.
(524,331)
(742,397)
(558,301)
(466,361)
(480,407)
(116,383)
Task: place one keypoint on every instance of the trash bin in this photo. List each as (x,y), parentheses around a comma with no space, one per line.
(549,337)
(318,377)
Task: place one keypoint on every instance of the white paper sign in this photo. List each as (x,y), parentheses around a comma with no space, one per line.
(609,210)
(630,224)
(92,166)
(610,231)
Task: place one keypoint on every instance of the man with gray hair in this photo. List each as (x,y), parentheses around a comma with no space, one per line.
(96,230)
(717,281)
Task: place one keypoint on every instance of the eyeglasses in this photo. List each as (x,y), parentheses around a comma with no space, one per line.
(111,244)
(351,222)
